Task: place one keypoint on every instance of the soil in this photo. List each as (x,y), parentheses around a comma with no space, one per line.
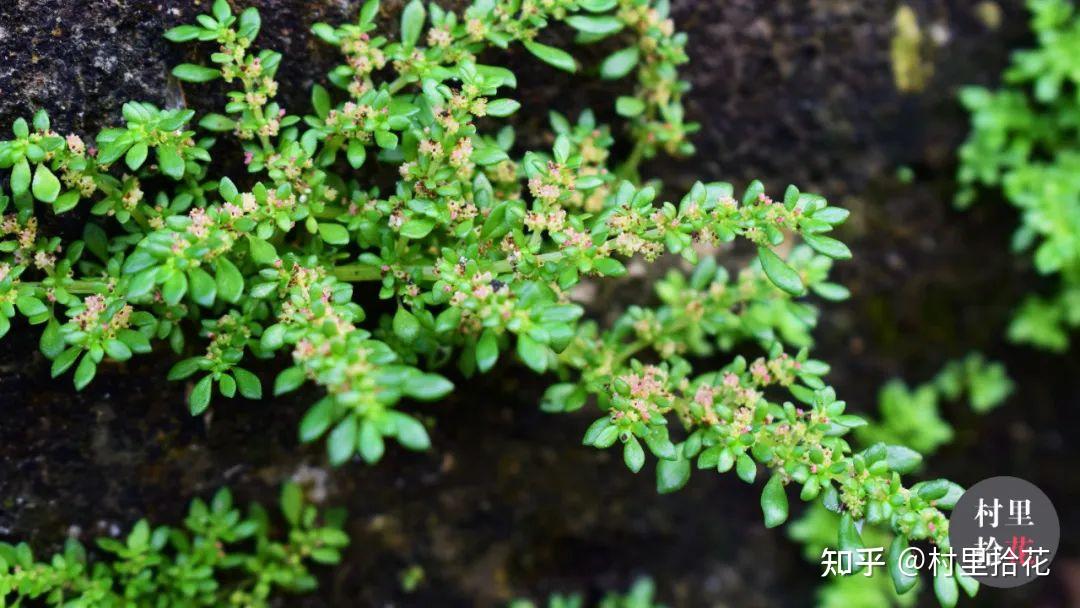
(509,503)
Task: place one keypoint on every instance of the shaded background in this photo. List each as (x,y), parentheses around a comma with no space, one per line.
(508,503)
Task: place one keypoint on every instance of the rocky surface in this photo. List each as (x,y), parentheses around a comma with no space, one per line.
(508,502)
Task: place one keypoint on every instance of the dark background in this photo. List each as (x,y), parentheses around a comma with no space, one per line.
(508,503)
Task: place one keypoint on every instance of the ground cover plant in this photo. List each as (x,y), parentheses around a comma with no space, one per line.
(222,557)
(640,595)
(910,417)
(1023,142)
(404,182)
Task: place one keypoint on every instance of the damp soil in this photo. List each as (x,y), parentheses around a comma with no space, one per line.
(508,503)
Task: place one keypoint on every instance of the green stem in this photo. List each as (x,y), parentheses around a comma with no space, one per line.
(628,170)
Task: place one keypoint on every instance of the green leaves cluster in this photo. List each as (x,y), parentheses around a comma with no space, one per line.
(221,557)
(1023,142)
(910,428)
(640,595)
(911,417)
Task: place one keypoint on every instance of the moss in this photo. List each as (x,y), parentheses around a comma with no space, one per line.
(911,71)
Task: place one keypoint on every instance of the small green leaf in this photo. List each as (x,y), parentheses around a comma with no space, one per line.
(725,460)
(174,288)
(221,10)
(485,155)
(754,191)
(217,123)
(184,368)
(41,120)
(660,444)
(552,56)
(411,434)
(170,162)
(249,23)
(369,11)
(356,153)
(273,337)
(332,233)
(934,489)
(230,282)
(227,385)
(387,140)
(828,246)
(326,33)
(745,468)
(289,380)
(412,23)
(619,63)
(487,350)
(609,267)
(64,361)
(66,201)
(945,587)
(774,502)
(316,420)
(342,441)
(595,429)
(629,107)
(831,215)
(52,341)
(200,395)
(633,454)
(902,581)
(203,287)
(598,25)
(228,190)
(968,584)
(46,187)
(848,536)
(136,155)
(190,72)
(85,372)
(30,306)
(783,276)
(598,6)
(20,128)
(533,353)
(183,33)
(672,475)
(20,177)
(502,107)
(292,502)
(406,325)
(262,251)
(428,387)
(417,228)
(370,442)
(249,384)
(902,459)
(117,350)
